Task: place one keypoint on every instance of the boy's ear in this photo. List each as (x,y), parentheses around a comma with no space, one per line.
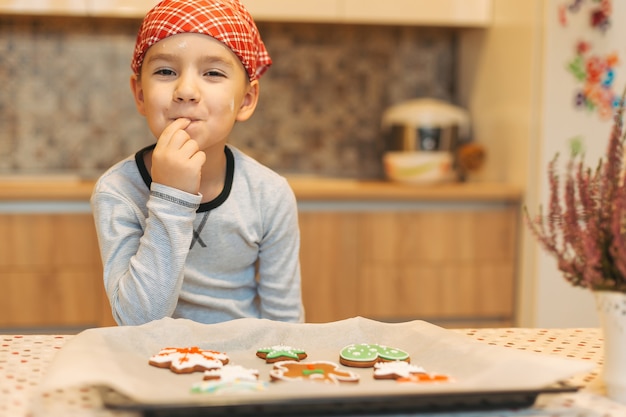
(249,102)
(135,87)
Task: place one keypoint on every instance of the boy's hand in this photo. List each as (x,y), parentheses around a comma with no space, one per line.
(177,160)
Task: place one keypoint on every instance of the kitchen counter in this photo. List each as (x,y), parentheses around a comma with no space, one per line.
(305,188)
(24,359)
(347,190)
(42,189)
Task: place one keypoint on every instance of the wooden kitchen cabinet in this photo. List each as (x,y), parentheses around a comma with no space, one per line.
(294,11)
(466,13)
(119,8)
(330,261)
(450,267)
(50,272)
(48,8)
(461,13)
(387,251)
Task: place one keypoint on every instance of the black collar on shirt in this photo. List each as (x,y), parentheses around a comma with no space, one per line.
(209,205)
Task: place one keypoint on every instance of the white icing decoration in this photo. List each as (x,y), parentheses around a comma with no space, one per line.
(400,368)
(218,387)
(186,358)
(232,373)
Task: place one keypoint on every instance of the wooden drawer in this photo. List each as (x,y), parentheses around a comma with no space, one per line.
(441,266)
(51,272)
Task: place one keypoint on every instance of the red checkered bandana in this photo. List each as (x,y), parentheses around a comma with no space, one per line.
(225,20)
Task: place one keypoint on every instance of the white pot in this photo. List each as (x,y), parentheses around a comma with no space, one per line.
(611,307)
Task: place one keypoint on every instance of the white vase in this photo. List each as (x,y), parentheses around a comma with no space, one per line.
(611,307)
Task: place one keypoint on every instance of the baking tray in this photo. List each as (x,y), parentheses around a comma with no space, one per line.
(345,405)
(482,376)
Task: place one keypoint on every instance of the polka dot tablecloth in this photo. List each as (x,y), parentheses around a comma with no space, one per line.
(25,358)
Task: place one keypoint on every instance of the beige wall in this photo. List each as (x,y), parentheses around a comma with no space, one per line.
(500,82)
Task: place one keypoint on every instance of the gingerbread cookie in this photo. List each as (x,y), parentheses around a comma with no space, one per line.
(278,353)
(229,373)
(396,370)
(188,359)
(218,387)
(424,377)
(319,371)
(365,355)
(230,379)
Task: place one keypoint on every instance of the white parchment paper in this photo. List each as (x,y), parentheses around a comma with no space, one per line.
(117,357)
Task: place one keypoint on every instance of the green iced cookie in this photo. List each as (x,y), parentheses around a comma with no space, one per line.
(365,355)
(280,352)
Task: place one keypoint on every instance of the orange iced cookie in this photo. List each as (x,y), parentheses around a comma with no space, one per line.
(188,359)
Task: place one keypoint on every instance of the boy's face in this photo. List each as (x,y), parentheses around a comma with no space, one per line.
(196,77)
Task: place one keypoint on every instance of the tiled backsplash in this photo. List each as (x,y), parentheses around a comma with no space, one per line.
(65,102)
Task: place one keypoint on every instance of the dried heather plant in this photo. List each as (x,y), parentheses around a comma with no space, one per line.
(585,227)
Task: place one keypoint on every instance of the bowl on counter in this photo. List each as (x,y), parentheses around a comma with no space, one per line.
(419,167)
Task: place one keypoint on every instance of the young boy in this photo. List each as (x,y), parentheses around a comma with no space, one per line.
(190,227)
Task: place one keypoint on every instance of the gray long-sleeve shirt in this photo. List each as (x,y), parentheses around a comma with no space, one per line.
(166,255)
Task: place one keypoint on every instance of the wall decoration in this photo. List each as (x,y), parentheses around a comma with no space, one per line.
(593,71)
(599,12)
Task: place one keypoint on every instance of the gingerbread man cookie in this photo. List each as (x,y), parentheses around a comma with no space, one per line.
(188,359)
(319,371)
(365,355)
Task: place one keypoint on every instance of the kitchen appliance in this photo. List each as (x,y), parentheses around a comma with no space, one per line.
(421,140)
(425,124)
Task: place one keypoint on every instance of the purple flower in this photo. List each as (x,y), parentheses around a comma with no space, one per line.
(585,227)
